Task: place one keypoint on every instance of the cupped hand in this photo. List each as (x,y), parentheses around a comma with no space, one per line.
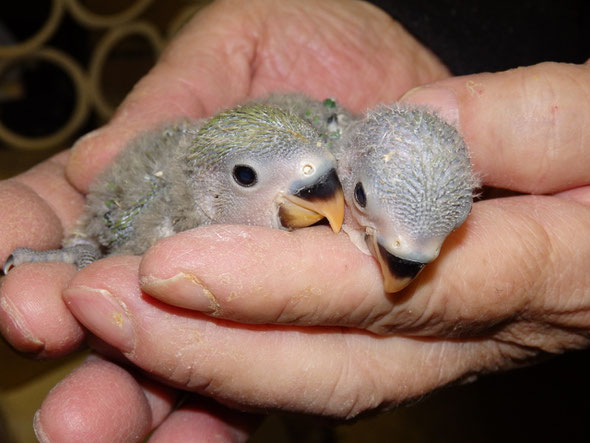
(321,336)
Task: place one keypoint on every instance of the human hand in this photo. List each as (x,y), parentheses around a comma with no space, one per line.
(226,54)
(231,51)
(510,285)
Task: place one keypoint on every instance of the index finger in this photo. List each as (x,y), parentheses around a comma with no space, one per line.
(512,255)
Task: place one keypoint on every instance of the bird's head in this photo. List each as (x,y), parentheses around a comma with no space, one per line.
(408,182)
(260,165)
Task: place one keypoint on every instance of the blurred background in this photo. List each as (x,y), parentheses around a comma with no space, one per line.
(64,69)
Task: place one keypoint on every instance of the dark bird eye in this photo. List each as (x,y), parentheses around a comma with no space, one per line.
(245,175)
(359,195)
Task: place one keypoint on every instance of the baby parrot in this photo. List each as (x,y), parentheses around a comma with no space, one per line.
(407,179)
(329,118)
(408,183)
(254,164)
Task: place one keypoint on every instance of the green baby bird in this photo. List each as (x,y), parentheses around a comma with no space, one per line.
(327,116)
(254,164)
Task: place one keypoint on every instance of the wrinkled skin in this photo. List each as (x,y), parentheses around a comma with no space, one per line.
(510,284)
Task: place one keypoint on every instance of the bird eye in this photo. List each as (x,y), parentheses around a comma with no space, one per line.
(359,195)
(245,175)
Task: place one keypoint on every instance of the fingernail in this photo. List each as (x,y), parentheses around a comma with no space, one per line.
(182,290)
(38,428)
(99,311)
(440,100)
(16,330)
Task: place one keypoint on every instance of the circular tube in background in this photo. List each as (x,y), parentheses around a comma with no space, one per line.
(34,42)
(93,20)
(79,114)
(102,50)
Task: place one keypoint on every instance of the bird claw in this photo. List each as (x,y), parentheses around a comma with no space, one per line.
(18,257)
(9,264)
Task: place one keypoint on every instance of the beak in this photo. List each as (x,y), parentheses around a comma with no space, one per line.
(308,205)
(397,272)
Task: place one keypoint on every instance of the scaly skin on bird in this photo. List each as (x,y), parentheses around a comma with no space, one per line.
(253,164)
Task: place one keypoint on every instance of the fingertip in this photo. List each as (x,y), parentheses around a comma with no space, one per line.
(89,156)
(579,195)
(30,295)
(99,401)
(205,420)
(523,126)
(15,329)
(440,100)
(182,290)
(94,298)
(27,220)
(100,312)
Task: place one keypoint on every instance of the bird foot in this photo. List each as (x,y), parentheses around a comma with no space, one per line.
(79,255)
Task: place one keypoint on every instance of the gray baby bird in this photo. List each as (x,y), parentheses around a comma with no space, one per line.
(254,164)
(408,183)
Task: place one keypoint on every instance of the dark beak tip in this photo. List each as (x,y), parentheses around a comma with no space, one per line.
(400,267)
(325,188)
(308,204)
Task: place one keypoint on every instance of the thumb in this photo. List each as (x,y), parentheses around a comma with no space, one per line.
(527,128)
